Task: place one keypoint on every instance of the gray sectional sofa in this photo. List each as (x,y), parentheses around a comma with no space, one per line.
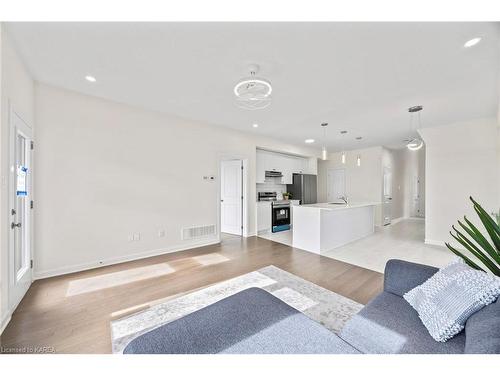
(255,322)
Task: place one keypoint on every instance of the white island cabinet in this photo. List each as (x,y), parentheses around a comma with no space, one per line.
(324,226)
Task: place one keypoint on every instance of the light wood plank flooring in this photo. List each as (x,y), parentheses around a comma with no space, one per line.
(60,312)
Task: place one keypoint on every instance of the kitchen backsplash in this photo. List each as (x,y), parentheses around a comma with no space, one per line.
(272,186)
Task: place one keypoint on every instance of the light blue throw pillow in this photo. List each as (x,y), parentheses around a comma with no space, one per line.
(446,300)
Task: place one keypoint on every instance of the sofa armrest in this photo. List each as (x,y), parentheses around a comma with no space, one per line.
(401,276)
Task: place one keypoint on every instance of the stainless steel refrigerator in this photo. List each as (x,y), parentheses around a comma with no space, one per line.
(304,188)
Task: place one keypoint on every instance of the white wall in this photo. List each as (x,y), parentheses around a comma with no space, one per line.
(105,170)
(461,161)
(17,90)
(363,184)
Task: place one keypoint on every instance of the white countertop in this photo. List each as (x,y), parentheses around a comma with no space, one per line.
(331,207)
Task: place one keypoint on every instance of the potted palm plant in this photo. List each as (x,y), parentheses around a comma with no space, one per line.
(286,196)
(484,248)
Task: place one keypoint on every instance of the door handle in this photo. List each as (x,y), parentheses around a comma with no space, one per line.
(14,225)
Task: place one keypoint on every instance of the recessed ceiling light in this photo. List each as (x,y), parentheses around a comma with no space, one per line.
(309,140)
(359,138)
(255,125)
(472,42)
(90,78)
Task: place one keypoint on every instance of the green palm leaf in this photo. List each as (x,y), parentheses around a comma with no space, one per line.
(477,244)
(480,239)
(467,260)
(491,227)
(486,216)
(476,252)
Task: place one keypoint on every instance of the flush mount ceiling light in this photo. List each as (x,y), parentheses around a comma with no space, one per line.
(414,144)
(253,92)
(309,141)
(472,42)
(90,79)
(324,152)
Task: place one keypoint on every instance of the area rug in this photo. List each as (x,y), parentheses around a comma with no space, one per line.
(328,308)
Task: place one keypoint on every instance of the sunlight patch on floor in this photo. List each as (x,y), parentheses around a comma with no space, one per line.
(209,259)
(113,279)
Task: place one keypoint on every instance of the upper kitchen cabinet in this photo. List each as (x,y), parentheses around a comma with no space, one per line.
(286,164)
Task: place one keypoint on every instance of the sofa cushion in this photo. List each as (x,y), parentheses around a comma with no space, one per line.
(388,324)
(451,296)
(482,331)
(252,321)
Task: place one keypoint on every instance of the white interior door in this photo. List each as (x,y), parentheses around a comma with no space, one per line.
(418,204)
(20,191)
(232,197)
(335,184)
(387,197)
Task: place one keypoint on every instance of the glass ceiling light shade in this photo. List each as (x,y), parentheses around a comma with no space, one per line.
(343,157)
(415,144)
(253,92)
(324,152)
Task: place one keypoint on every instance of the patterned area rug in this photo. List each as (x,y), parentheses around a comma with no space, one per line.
(328,308)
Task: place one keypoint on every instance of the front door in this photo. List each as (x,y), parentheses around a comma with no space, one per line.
(231,197)
(20,186)
(387,197)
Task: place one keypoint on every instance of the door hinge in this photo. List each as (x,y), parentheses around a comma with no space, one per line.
(31,263)
(241,167)
(31,204)
(32,145)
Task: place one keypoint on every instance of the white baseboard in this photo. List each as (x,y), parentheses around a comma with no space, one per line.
(434,242)
(115,260)
(250,234)
(5,321)
(398,219)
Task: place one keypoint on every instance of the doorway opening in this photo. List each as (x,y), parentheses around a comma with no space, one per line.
(232,193)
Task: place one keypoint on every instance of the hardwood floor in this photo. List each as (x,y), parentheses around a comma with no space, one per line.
(79,322)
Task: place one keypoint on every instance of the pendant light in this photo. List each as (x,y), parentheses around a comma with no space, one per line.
(253,92)
(358,159)
(415,144)
(343,158)
(324,152)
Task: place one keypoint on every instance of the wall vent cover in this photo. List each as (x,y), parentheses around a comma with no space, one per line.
(198,232)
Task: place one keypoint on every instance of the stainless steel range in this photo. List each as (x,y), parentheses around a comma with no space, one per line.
(280,211)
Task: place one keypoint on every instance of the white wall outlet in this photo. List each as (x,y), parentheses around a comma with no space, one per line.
(137,236)
(161,233)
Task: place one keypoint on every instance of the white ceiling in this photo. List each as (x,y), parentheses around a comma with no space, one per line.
(360,77)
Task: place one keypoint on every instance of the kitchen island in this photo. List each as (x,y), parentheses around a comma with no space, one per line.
(325,226)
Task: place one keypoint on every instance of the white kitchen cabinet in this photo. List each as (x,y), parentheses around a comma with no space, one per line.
(264,216)
(286,164)
(312,165)
(260,167)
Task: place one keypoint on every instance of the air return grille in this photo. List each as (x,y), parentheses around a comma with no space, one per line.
(198,232)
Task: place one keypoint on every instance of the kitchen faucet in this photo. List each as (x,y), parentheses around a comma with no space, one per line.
(344,198)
